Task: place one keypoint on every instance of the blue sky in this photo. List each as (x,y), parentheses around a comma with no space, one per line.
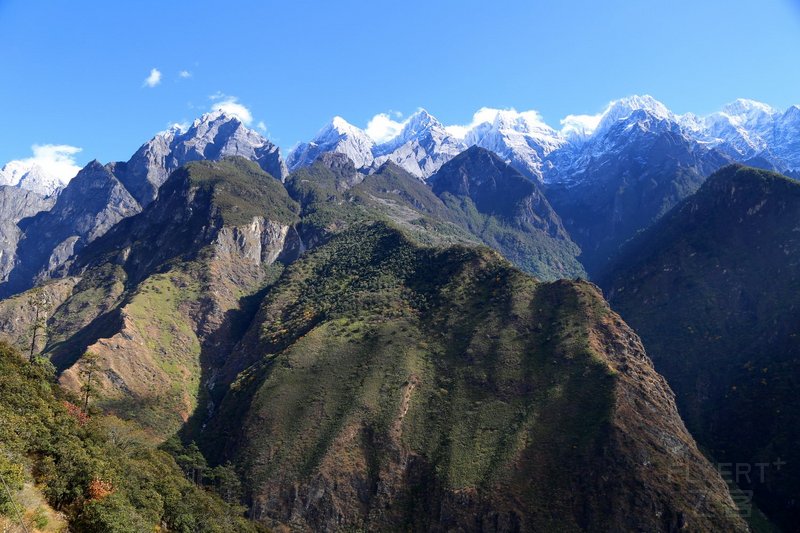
(74,72)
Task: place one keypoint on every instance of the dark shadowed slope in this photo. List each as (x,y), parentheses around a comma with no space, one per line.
(713,289)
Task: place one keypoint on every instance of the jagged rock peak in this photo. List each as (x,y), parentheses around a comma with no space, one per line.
(213,136)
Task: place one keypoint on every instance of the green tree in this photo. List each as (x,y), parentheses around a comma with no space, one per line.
(193,463)
(11,479)
(226,483)
(39,304)
(89,370)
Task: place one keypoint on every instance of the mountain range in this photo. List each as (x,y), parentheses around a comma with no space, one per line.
(401,334)
(744,131)
(360,367)
(606,176)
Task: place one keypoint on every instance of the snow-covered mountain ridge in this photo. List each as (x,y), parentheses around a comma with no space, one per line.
(744,130)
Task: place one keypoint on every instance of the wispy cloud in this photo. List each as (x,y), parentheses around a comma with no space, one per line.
(580,125)
(185,74)
(383,127)
(153,79)
(57,160)
(261,126)
(231,106)
(530,120)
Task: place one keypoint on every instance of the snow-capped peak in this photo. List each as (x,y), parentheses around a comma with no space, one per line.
(623,108)
(337,136)
(748,110)
(414,127)
(341,125)
(793,112)
(339,128)
(421,147)
(580,128)
(522,121)
(418,123)
(50,168)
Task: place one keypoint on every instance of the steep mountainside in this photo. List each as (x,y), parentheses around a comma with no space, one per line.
(89,206)
(15,204)
(387,386)
(624,179)
(713,290)
(158,296)
(474,198)
(334,196)
(508,212)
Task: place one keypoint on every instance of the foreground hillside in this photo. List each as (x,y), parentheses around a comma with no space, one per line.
(96,472)
(713,290)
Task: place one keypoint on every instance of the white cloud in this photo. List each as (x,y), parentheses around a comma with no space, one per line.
(524,120)
(185,74)
(231,106)
(382,127)
(181,127)
(53,160)
(580,125)
(484,114)
(153,79)
(261,126)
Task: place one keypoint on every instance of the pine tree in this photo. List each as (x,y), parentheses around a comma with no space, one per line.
(39,303)
(90,367)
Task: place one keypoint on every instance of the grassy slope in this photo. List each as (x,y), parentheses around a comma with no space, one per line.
(331,204)
(392,384)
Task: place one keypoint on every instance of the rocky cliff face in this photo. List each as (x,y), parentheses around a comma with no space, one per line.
(389,386)
(157,296)
(100,196)
(92,203)
(213,136)
(15,204)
